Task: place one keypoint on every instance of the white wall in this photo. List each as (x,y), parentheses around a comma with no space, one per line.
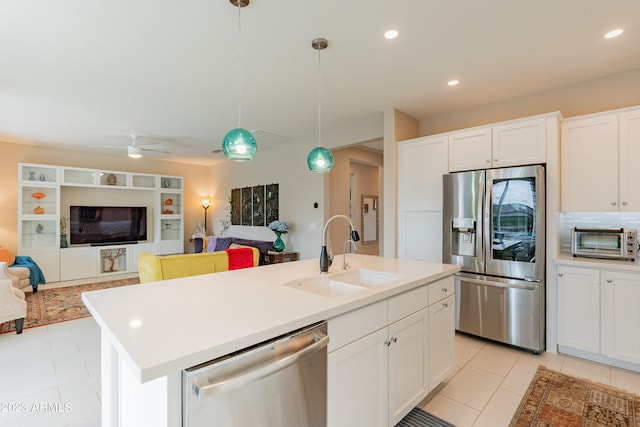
(299,190)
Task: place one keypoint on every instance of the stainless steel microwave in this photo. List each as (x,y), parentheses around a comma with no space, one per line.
(608,243)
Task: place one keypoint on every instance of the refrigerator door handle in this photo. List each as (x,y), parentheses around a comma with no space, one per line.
(497,284)
(532,279)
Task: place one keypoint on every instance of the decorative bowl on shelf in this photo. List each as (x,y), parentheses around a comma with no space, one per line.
(167,211)
(112,179)
(38,195)
(38,210)
(168,202)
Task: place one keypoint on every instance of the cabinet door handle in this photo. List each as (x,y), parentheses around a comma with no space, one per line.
(495,160)
(394,339)
(445,290)
(488,161)
(624,203)
(387,343)
(445,304)
(609,280)
(560,274)
(613,203)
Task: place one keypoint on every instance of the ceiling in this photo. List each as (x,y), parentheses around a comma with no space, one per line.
(77,73)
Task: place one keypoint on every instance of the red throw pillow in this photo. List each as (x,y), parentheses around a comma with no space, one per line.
(7,256)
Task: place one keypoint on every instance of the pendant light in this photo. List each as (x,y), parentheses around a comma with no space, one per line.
(319,159)
(239,144)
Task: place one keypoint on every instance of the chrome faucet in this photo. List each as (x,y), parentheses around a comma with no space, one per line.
(325,258)
(345,264)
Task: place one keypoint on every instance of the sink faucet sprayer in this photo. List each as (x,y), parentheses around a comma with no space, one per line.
(325,258)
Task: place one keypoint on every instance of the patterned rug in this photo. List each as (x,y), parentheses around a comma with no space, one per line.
(557,400)
(60,304)
(419,418)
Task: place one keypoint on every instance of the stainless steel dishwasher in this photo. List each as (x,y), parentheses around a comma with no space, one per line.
(279,383)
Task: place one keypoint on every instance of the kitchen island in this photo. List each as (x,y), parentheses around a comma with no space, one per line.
(151,332)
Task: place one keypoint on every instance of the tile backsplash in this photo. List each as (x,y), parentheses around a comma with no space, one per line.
(568,220)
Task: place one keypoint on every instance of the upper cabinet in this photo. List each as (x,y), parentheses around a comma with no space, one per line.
(629,143)
(470,149)
(597,163)
(421,164)
(515,143)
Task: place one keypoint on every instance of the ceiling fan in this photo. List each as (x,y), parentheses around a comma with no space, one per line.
(134,150)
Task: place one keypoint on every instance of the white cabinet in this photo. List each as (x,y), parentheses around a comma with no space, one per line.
(629,173)
(621,315)
(357,381)
(589,164)
(421,164)
(420,236)
(514,143)
(598,314)
(598,156)
(442,323)
(579,308)
(380,356)
(408,364)
(40,191)
(470,149)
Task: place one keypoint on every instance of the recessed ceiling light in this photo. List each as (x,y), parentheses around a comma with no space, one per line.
(613,33)
(453,82)
(391,34)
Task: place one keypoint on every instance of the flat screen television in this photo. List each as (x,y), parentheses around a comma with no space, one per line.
(107,224)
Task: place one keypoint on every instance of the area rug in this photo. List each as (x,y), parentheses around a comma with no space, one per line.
(419,418)
(558,400)
(60,304)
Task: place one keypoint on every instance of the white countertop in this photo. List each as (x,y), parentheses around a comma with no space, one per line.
(164,327)
(633,266)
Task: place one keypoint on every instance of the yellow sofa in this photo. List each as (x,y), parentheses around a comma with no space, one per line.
(152,268)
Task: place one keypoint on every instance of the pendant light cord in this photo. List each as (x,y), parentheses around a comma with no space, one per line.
(319,101)
(239,63)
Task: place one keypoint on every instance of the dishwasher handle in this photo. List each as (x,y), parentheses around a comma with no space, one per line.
(320,341)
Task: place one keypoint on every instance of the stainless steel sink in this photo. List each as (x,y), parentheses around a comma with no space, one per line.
(341,283)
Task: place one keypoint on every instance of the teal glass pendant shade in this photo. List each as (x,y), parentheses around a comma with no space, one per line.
(320,160)
(239,144)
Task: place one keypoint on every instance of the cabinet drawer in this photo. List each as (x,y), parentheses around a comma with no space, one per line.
(351,326)
(441,289)
(407,303)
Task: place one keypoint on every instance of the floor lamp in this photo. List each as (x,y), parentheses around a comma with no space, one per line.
(205,205)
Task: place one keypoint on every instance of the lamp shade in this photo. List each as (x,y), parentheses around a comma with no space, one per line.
(320,160)
(239,144)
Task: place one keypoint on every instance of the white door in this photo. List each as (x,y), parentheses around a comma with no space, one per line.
(357,383)
(442,317)
(579,308)
(589,164)
(622,316)
(408,377)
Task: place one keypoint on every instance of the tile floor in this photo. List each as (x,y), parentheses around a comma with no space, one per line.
(50,376)
(490,379)
(54,373)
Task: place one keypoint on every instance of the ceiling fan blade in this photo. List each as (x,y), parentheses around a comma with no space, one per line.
(153,146)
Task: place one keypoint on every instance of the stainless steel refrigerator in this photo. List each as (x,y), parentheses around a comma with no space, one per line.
(494,228)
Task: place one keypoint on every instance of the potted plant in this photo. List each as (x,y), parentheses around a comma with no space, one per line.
(279,227)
